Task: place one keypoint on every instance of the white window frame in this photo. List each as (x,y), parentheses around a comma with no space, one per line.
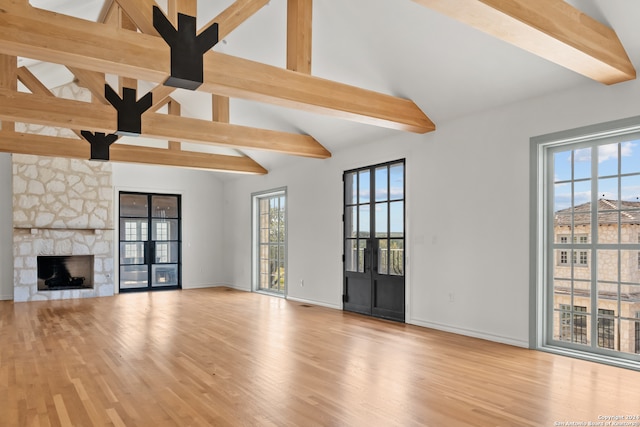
(541,237)
(255,239)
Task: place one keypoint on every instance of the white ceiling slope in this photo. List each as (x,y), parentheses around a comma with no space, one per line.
(391,46)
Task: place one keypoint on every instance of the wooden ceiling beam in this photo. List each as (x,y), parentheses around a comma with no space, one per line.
(140,13)
(551,29)
(186,7)
(51,111)
(36,87)
(42,145)
(299,19)
(74,42)
(8,80)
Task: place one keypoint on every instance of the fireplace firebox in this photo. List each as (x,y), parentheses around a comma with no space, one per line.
(57,272)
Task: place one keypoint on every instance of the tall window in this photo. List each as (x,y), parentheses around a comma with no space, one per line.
(270,241)
(589,240)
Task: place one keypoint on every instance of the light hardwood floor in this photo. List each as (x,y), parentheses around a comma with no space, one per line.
(219,357)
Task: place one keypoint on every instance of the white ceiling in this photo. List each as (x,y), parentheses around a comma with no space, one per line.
(392,46)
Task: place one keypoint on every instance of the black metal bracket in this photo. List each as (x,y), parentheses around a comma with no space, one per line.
(187,48)
(129,110)
(100,144)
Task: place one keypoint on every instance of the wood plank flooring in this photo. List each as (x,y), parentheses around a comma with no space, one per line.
(219,357)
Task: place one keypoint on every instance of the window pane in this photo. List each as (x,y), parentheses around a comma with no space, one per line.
(630,157)
(350,221)
(396,257)
(561,196)
(166,252)
(133,229)
(133,276)
(562,166)
(630,336)
(383,257)
(396,217)
(630,189)
(630,264)
(382,220)
(164,275)
(582,195)
(582,163)
(133,205)
(132,253)
(351,255)
(365,230)
(608,160)
(164,229)
(351,188)
(364,178)
(396,181)
(382,176)
(164,206)
(608,190)
(362,246)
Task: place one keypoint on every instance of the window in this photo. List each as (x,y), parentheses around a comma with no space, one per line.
(270,241)
(587,222)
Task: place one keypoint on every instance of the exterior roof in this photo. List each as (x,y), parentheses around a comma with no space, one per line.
(608,213)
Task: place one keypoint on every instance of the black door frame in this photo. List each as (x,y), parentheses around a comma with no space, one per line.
(367,290)
(149,245)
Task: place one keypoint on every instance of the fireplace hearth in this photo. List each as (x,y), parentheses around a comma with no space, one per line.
(65,272)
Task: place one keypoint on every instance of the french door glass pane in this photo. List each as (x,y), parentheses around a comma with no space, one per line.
(164,206)
(133,205)
(164,229)
(364,190)
(383,256)
(396,257)
(396,181)
(133,276)
(351,255)
(382,177)
(382,218)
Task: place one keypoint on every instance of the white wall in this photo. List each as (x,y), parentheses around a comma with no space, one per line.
(6,228)
(202,221)
(467,212)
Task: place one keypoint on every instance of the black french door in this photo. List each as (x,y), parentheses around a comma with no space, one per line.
(374,240)
(150,241)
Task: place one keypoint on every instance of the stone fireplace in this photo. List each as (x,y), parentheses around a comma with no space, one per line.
(62,208)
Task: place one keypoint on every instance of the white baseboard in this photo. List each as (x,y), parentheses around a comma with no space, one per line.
(470,333)
(6,297)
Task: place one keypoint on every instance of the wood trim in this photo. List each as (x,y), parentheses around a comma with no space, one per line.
(551,29)
(51,111)
(23,143)
(77,43)
(299,24)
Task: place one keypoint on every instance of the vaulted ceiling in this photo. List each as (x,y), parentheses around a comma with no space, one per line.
(373,68)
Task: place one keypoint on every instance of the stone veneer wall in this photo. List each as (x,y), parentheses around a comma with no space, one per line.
(61,207)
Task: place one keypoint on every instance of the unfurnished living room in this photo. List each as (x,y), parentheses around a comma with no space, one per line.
(319,213)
